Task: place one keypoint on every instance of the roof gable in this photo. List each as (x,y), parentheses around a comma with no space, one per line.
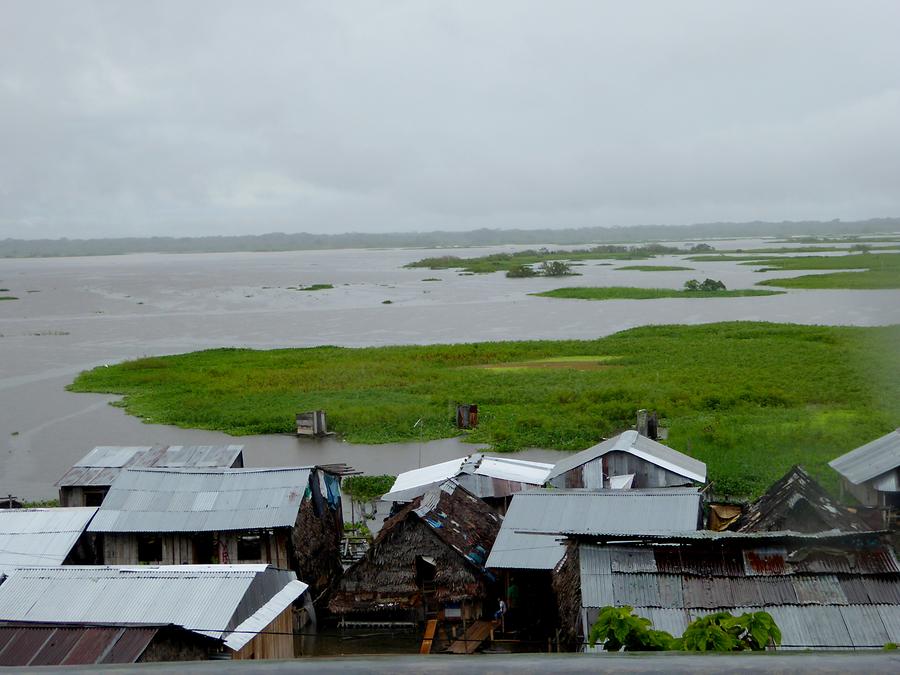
(640,446)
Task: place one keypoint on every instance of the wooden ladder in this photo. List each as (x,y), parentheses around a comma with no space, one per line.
(477,633)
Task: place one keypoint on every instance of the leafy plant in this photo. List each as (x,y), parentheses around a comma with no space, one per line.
(722,632)
(367,488)
(618,628)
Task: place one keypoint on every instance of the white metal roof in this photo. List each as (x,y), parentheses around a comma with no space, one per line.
(639,446)
(40,536)
(202,500)
(530,536)
(256,622)
(416,482)
(210,599)
(870,460)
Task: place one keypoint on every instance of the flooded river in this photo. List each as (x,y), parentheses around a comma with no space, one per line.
(76,313)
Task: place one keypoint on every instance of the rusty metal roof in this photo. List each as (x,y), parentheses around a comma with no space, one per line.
(40,536)
(640,446)
(102,465)
(202,500)
(870,460)
(53,644)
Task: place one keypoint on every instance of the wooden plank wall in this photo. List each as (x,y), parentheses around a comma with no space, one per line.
(275,641)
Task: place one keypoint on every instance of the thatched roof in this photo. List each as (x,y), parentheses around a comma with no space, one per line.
(447,526)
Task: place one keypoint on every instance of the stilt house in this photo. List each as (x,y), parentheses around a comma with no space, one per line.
(287,517)
(427,561)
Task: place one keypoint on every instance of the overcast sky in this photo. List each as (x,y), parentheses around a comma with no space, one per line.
(185,117)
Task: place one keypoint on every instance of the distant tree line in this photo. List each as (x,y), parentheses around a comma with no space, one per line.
(278,241)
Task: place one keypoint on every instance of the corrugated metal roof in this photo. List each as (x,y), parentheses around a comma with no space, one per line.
(103,464)
(202,500)
(208,599)
(40,536)
(528,538)
(59,644)
(870,460)
(639,446)
(499,476)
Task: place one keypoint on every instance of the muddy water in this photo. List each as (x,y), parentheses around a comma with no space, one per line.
(75,313)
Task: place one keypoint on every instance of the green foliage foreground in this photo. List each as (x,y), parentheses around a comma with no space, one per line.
(749,399)
(618,628)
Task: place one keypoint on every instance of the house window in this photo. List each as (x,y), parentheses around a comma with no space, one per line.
(93,497)
(249,547)
(149,548)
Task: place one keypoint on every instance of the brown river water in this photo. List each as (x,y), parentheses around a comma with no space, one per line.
(76,313)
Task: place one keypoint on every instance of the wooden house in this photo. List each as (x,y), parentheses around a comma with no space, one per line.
(871,473)
(287,517)
(426,562)
(230,611)
(628,460)
(88,481)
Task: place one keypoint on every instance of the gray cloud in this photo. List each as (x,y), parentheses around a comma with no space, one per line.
(178,117)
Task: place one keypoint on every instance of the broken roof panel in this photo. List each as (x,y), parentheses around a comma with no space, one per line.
(870,460)
(102,465)
(530,534)
(639,446)
(40,536)
(797,502)
(482,475)
(202,500)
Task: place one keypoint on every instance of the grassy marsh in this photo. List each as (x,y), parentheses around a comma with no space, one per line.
(656,268)
(749,399)
(633,293)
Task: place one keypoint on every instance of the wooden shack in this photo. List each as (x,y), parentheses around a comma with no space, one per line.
(628,460)
(88,481)
(290,518)
(426,562)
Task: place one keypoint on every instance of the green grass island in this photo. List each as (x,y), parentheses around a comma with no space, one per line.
(749,399)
